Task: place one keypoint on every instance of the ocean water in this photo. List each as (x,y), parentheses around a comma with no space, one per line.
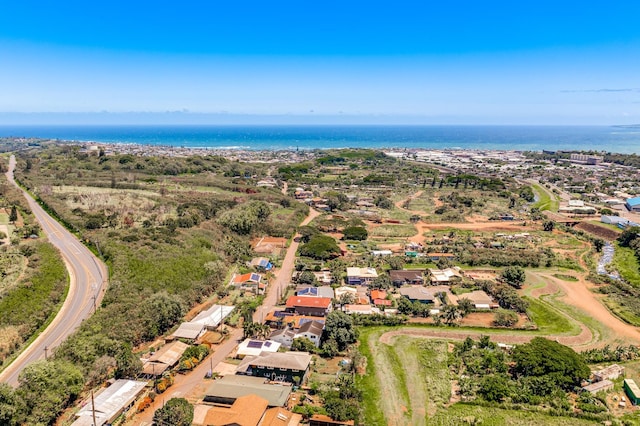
(276,137)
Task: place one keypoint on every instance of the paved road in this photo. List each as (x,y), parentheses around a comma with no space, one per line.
(88,277)
(184,385)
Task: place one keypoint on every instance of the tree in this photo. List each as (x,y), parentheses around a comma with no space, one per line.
(346,298)
(320,247)
(307,277)
(598,244)
(13,216)
(396,262)
(556,362)
(46,388)
(128,365)
(466,306)
(306,232)
(161,311)
(514,276)
(450,314)
(302,344)
(330,348)
(383,202)
(176,412)
(548,225)
(9,406)
(405,307)
(339,327)
(505,318)
(381,281)
(494,387)
(628,235)
(357,233)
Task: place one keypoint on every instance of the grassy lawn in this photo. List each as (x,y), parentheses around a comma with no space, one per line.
(394,231)
(406,381)
(625,261)
(546,199)
(548,319)
(462,413)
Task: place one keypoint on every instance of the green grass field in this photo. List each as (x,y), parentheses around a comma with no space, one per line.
(394,231)
(546,199)
(408,382)
(625,261)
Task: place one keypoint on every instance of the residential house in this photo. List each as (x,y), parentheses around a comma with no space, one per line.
(378,294)
(110,403)
(601,386)
(246,410)
(312,330)
(323,277)
(209,319)
(290,367)
(420,294)
(250,282)
(480,300)
(254,347)
(322,420)
(346,290)
(163,359)
(225,390)
(381,253)
(309,305)
(360,309)
(261,264)
(611,373)
(434,257)
(402,277)
(322,291)
(445,276)
(284,336)
(361,276)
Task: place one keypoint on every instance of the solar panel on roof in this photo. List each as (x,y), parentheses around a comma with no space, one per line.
(254,344)
(267,344)
(255,277)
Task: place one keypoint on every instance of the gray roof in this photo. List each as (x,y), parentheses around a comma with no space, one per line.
(401,275)
(283,360)
(110,402)
(418,293)
(282,332)
(237,386)
(188,330)
(313,327)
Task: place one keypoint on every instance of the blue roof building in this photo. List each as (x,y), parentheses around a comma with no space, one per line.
(633,204)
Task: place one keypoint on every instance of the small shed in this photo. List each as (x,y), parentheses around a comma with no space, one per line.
(601,386)
(632,391)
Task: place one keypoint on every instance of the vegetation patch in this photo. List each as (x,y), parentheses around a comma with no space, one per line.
(394,231)
(566,277)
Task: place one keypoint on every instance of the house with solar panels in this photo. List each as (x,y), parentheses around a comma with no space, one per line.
(250,282)
(254,347)
(261,264)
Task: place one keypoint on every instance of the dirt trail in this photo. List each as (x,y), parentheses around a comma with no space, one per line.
(578,294)
(400,203)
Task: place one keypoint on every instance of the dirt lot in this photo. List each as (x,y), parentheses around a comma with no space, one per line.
(607,234)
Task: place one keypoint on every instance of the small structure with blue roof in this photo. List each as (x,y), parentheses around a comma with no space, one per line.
(633,204)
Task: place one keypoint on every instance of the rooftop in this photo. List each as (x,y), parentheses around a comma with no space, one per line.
(308,302)
(284,360)
(109,402)
(236,386)
(362,272)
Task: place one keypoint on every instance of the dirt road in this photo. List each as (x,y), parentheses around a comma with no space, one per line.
(189,385)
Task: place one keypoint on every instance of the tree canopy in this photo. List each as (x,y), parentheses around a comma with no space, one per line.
(553,361)
(514,276)
(358,233)
(320,247)
(176,412)
(339,327)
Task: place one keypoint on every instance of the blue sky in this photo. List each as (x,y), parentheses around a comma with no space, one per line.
(454,62)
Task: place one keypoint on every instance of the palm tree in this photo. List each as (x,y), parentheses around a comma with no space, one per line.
(450,314)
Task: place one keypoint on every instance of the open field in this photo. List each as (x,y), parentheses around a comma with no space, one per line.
(547,200)
(408,383)
(394,231)
(626,263)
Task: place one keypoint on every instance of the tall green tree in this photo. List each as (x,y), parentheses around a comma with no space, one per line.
(339,327)
(13,215)
(514,276)
(550,360)
(176,412)
(46,388)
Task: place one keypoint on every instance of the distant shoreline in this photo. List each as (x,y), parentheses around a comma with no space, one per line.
(619,139)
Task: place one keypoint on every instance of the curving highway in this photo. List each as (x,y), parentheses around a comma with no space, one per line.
(88,278)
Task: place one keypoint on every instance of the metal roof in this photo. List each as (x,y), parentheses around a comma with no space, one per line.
(110,402)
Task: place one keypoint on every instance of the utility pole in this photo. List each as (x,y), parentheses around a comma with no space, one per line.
(93,410)
(46,357)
